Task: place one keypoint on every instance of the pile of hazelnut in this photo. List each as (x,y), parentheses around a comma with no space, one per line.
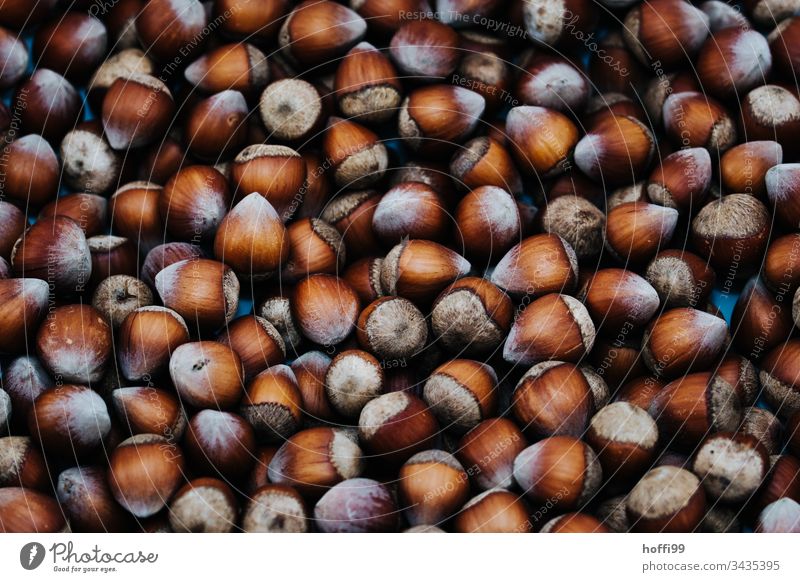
(392,265)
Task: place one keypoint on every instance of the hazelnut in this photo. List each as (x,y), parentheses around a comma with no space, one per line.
(69,421)
(204,292)
(24,378)
(314,246)
(75,345)
(553,327)
(137,109)
(541,139)
(14,55)
(579,222)
(434,119)
(169,29)
(681,278)
(771,112)
(619,299)
(488,223)
(220,443)
(364,276)
(781,516)
(310,371)
(574,523)
(559,466)
(553,82)
(764,427)
(612,514)
(782,44)
(367,87)
(471,317)
(780,379)
(292,110)
(760,320)
(325,308)
(392,328)
(395,426)
(31,171)
(149,410)
(207,374)
(144,472)
(783,189)
(22,464)
(742,376)
(216,126)
(315,459)
(625,438)
(276,172)
(782,263)
(694,119)
(411,210)
(432,486)
(134,211)
(688,409)
(353,378)
(635,231)
(54,250)
(493,511)
(248,21)
(203,505)
(616,150)
(111,255)
(488,452)
(351,214)
(461,393)
(683,340)
(733,60)
(23,304)
(540,264)
(252,238)
(418,270)
(193,203)
(667,32)
(553,398)
(147,338)
(484,161)
(316,32)
(275,509)
(667,499)
(276,309)
(48,105)
(12,225)
(743,168)
(237,67)
(731,466)
(425,49)
(255,341)
(357,506)
(86,500)
(682,180)
(28,511)
(273,403)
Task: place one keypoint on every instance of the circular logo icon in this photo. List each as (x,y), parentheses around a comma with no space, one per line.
(31,555)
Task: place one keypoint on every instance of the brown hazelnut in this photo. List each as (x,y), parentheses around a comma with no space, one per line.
(392,328)
(204,292)
(488,452)
(461,393)
(220,443)
(207,374)
(731,466)
(493,511)
(553,398)
(147,338)
(149,410)
(666,500)
(275,509)
(273,404)
(353,378)
(553,327)
(203,505)
(395,426)
(357,506)
(315,459)
(144,471)
(69,421)
(540,264)
(86,499)
(688,409)
(541,139)
(432,486)
(367,87)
